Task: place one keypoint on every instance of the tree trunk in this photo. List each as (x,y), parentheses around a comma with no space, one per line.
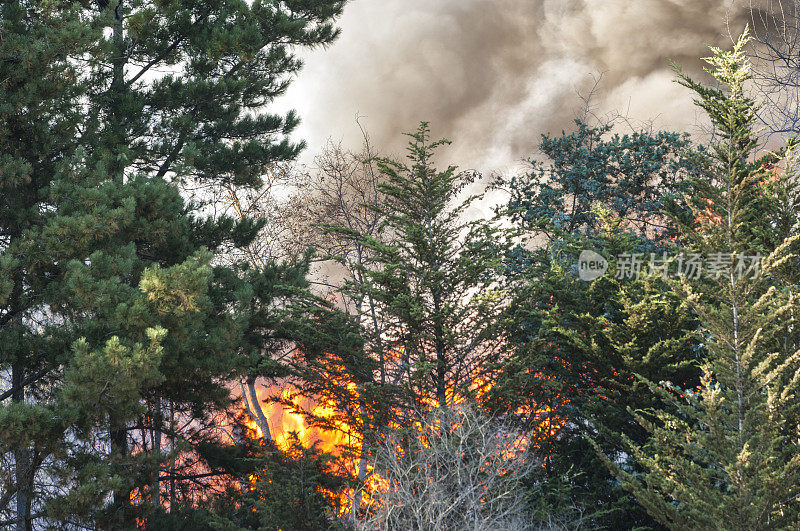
(22,460)
(172,461)
(158,422)
(118,431)
(441,353)
(363,460)
(253,406)
(119,454)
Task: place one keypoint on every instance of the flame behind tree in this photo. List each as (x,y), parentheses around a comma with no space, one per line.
(455,469)
(423,297)
(344,191)
(277,393)
(417,281)
(345,397)
(577,344)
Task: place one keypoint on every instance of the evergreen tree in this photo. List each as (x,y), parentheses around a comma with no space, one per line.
(578,344)
(118,333)
(430,280)
(424,301)
(290,489)
(724,454)
(38,124)
(631,175)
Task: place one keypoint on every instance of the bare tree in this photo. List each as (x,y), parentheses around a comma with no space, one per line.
(456,470)
(269,205)
(776,63)
(283,236)
(341,189)
(295,204)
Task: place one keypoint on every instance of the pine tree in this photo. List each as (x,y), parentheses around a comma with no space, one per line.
(724,455)
(38,125)
(290,488)
(424,301)
(118,331)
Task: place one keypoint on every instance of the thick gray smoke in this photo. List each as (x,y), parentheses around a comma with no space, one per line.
(492,75)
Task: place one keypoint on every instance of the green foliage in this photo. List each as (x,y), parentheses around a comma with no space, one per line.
(110,382)
(295,490)
(424,306)
(38,126)
(577,344)
(118,333)
(724,454)
(121,330)
(430,283)
(632,175)
(292,490)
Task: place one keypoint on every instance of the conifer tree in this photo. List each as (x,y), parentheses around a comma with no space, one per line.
(429,326)
(38,125)
(117,329)
(577,344)
(430,279)
(724,455)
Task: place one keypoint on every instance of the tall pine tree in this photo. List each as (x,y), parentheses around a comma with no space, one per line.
(39,121)
(118,332)
(424,298)
(430,279)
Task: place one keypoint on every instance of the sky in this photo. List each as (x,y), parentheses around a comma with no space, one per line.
(493,75)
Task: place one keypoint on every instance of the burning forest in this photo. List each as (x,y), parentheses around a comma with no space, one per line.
(206,323)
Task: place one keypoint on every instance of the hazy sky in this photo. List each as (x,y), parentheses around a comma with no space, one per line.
(492,75)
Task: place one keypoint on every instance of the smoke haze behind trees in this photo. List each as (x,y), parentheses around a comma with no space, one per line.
(494,74)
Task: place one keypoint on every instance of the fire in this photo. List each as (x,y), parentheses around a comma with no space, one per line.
(288,420)
(708,217)
(250,423)
(292,417)
(288,414)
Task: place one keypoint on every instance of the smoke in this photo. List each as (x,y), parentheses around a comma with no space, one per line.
(492,75)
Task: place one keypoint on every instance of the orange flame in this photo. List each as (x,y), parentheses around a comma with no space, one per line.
(288,414)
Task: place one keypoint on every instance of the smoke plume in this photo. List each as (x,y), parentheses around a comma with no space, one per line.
(492,75)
